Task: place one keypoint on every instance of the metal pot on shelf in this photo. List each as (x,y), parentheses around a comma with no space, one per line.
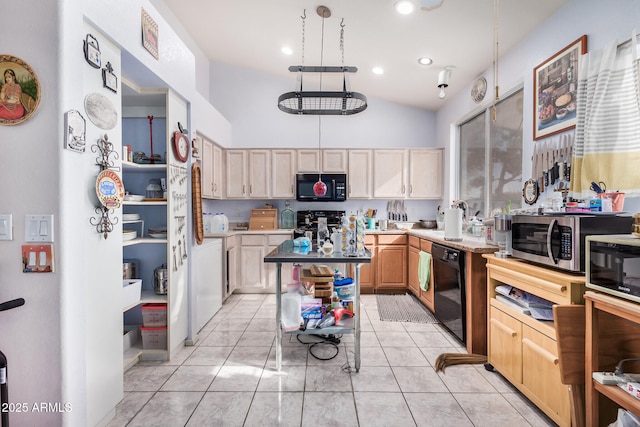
(161,280)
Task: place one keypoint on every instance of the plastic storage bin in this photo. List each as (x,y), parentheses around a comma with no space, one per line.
(131,290)
(345,291)
(154,315)
(154,338)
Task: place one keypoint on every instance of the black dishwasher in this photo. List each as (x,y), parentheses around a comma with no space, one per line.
(449,289)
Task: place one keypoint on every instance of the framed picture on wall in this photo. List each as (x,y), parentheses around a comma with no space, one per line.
(149,34)
(555,83)
(19,90)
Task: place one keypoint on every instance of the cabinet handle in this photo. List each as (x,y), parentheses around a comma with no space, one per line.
(543,352)
(503,327)
(243,188)
(215,187)
(291,188)
(402,188)
(410,189)
(250,189)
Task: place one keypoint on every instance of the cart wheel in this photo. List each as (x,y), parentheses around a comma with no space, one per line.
(488,367)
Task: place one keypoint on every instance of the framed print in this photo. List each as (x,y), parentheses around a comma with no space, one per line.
(149,34)
(109,79)
(75,131)
(555,82)
(19,91)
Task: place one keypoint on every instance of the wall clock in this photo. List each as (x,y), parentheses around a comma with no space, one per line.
(479,89)
(181,146)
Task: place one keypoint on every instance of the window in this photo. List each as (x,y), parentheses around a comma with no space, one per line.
(490,173)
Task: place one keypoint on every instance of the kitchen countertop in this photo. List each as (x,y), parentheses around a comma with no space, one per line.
(468,243)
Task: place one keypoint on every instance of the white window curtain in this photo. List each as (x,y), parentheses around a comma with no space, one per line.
(607,144)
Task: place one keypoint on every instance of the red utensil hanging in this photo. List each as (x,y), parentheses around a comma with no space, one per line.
(151,160)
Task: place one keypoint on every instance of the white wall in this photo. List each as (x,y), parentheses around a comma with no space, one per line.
(600,21)
(249,100)
(30,335)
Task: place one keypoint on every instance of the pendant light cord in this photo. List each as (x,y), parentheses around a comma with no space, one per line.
(495,60)
(320,115)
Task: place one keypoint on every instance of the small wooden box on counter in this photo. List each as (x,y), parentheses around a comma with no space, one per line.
(263,219)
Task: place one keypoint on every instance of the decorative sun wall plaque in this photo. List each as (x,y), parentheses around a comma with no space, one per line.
(19,91)
(149,34)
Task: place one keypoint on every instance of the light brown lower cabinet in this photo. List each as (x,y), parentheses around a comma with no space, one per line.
(415,246)
(522,348)
(391,261)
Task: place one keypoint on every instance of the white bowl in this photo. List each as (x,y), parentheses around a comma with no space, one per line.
(404,225)
(133,198)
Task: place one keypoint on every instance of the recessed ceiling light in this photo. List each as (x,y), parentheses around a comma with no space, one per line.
(286,50)
(425,61)
(377,70)
(404,7)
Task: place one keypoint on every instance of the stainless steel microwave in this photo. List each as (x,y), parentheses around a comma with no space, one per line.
(613,265)
(336,187)
(558,240)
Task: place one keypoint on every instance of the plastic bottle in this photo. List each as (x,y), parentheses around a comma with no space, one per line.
(205,222)
(224,223)
(335,301)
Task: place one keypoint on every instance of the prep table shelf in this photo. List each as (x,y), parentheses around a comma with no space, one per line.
(288,253)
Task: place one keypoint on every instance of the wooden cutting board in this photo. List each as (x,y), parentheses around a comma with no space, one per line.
(307,276)
(321,270)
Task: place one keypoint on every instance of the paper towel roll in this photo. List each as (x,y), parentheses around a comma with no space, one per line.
(453,224)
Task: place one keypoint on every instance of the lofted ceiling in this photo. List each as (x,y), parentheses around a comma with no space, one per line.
(459,33)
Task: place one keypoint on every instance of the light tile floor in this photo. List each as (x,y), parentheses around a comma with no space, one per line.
(229,379)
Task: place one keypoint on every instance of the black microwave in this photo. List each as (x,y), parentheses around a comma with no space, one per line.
(558,240)
(613,265)
(336,187)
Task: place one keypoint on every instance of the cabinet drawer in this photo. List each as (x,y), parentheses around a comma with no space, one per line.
(425,245)
(262,223)
(369,240)
(267,213)
(392,239)
(541,372)
(252,240)
(505,344)
(276,239)
(414,241)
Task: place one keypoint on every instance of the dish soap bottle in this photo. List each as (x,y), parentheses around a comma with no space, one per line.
(286,217)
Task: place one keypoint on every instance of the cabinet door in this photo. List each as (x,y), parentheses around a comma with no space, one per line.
(217,174)
(207,168)
(541,372)
(308,161)
(236,174)
(251,268)
(258,172)
(425,174)
(283,172)
(505,344)
(412,270)
(334,161)
(274,240)
(392,264)
(360,174)
(389,174)
(427,296)
(368,271)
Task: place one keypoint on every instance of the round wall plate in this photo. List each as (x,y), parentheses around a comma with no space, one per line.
(530,191)
(479,89)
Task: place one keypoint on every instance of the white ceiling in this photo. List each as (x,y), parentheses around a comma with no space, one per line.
(250,33)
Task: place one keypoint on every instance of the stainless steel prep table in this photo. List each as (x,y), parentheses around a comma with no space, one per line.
(288,253)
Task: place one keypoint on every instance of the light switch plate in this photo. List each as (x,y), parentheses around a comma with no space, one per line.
(38,228)
(37,258)
(6,227)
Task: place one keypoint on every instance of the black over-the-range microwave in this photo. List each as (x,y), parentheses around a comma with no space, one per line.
(613,265)
(336,187)
(558,240)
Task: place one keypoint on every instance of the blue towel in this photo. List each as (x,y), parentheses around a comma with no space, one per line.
(424,270)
